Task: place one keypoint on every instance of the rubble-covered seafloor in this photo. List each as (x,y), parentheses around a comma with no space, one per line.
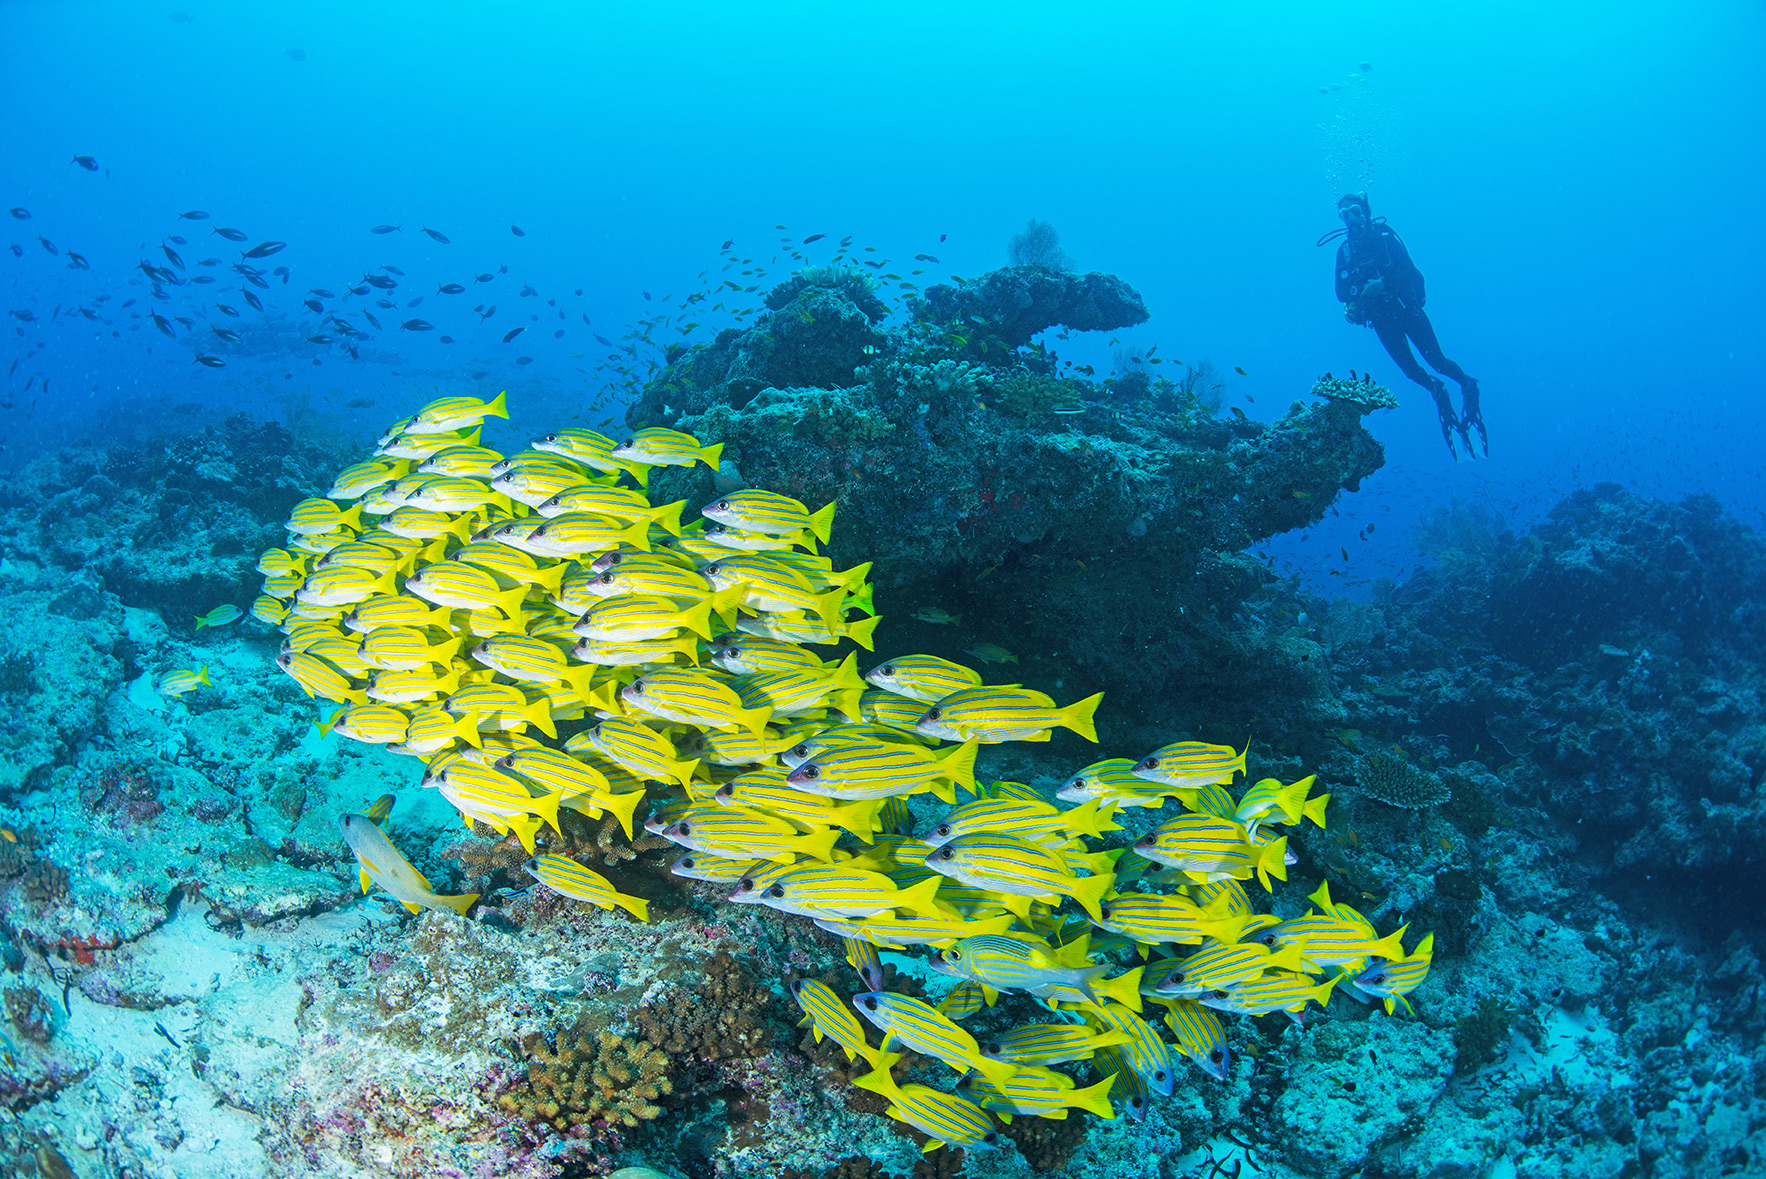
(1545,748)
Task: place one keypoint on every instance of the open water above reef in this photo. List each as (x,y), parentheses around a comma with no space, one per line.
(1098,460)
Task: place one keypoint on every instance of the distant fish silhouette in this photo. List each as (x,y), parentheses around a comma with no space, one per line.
(193,215)
(437,234)
(295,54)
(265,249)
(517,231)
(386,229)
(87,162)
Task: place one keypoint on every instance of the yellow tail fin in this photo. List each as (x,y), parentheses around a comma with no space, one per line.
(461,903)
(1078,717)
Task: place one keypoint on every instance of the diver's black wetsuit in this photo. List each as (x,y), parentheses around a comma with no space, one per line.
(1396,315)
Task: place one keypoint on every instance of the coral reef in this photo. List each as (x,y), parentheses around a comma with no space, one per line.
(1397,782)
(589,1075)
(1359,390)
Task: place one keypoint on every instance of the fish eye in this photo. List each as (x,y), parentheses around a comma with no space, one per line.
(993,1049)
(1151,763)
(811,773)
(1218,995)
(990,1138)
(628,442)
(1216,1055)
(933,715)
(688,862)
(1376,979)
(1104,912)
(944,853)
(1160,1075)
(869,1004)
(726,791)
(636,687)
(744,884)
(886,669)
(722,505)
(686,830)
(777,892)
(944,829)
(796,986)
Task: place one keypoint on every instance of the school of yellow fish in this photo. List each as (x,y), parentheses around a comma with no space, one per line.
(459,605)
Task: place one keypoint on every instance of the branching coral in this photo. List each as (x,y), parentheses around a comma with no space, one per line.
(1357,389)
(1398,783)
(724,1020)
(1032,395)
(590,1076)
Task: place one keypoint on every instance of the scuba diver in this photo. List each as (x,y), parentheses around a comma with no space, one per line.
(1381,288)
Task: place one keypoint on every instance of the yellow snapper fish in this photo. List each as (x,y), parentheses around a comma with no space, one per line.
(177,683)
(383,864)
(667,448)
(219,616)
(570,878)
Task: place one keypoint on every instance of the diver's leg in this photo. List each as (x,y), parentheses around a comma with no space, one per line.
(1392,332)
(1422,332)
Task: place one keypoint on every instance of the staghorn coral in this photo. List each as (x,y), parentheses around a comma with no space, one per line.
(1399,783)
(587,1076)
(613,848)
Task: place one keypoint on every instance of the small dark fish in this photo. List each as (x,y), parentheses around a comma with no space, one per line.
(265,249)
(30,316)
(585,319)
(47,244)
(88,313)
(160,322)
(257,282)
(177,241)
(193,215)
(446,339)
(452,288)
(942,236)
(1240,371)
(814,237)
(417,325)
(172,256)
(23,214)
(317,307)
(604,341)
(646,295)
(252,299)
(559,334)
(926,258)
(393,270)
(513,333)
(18,251)
(295,54)
(227,334)
(77,261)
(383,304)
(517,231)
(203,279)
(281,272)
(232,235)
(437,234)
(1345,553)
(364,289)
(211,361)
(226,310)
(161,1029)
(322,293)
(318,339)
(386,229)
(369,316)
(409,303)
(483,277)
(86,162)
(381,281)
(524,360)
(486,313)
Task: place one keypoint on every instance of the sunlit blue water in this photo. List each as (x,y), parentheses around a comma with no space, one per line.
(1579,185)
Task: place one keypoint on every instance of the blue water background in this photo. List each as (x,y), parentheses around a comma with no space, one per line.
(1579,182)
